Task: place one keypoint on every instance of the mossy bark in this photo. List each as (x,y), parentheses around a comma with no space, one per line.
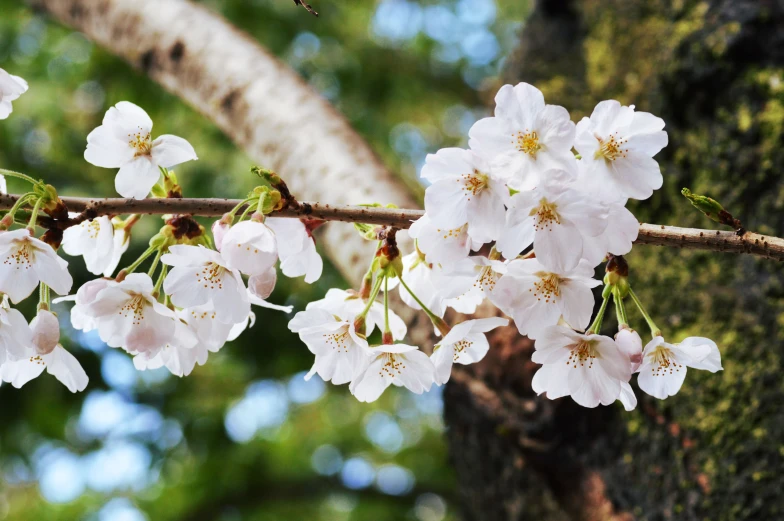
(714,70)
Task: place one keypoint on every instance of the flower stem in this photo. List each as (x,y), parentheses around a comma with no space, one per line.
(18,204)
(437,321)
(597,322)
(367,280)
(242,203)
(157,289)
(43,297)
(372,296)
(34,214)
(18,175)
(655,331)
(129,223)
(620,309)
(155,260)
(149,251)
(386,305)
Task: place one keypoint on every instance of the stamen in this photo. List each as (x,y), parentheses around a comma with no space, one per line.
(473,183)
(527,142)
(454,233)
(393,366)
(486,279)
(664,362)
(135,306)
(93,227)
(546,287)
(211,276)
(339,340)
(611,148)
(546,214)
(583,352)
(460,347)
(141,141)
(23,256)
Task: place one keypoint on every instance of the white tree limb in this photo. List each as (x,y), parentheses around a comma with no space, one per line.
(259,102)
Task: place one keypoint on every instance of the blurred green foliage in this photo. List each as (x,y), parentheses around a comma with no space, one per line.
(243,437)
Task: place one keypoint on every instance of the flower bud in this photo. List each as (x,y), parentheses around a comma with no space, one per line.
(7,221)
(712,209)
(46,332)
(171,186)
(630,344)
(262,285)
(219,229)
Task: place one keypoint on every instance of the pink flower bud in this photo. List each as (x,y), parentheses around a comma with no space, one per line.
(46,332)
(630,343)
(219,229)
(262,285)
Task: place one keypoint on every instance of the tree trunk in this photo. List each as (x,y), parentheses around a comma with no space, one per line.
(714,71)
(259,102)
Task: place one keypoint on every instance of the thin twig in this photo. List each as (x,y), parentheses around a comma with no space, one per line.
(655,234)
(307,7)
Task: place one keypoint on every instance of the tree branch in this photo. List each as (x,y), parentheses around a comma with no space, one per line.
(654,234)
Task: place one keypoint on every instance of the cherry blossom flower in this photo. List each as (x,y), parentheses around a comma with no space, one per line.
(98,242)
(200,275)
(618,238)
(45,352)
(536,297)
(418,275)
(179,356)
(526,138)
(127,315)
(122,239)
(219,229)
(441,245)
(15,334)
(589,368)
(27,261)
(469,282)
(297,252)
(256,301)
(663,368)
(211,332)
(80,315)
(556,218)
(339,357)
(347,305)
(464,344)
(464,191)
(629,342)
(250,247)
(124,141)
(401,365)
(11,87)
(617,146)
(262,285)
(627,398)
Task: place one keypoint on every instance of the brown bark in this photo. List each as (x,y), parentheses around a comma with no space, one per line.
(711,70)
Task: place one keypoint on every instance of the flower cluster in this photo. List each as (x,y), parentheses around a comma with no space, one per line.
(520,219)
(547,198)
(193,298)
